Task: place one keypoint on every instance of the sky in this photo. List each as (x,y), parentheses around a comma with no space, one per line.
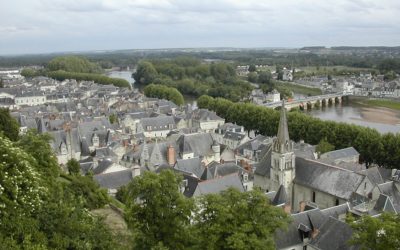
(43,26)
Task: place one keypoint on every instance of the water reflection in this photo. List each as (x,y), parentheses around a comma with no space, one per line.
(382,119)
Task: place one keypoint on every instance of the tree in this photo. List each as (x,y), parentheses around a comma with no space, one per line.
(1,83)
(113,118)
(324,146)
(73,167)
(157,213)
(265,77)
(145,73)
(75,64)
(378,233)
(252,77)
(236,220)
(9,127)
(164,92)
(21,187)
(252,68)
(28,72)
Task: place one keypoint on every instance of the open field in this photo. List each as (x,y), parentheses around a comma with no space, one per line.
(299,89)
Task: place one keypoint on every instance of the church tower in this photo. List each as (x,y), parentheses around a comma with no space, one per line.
(283,158)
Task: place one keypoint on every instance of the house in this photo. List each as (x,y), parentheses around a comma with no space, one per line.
(156,127)
(287,75)
(112,181)
(30,98)
(204,119)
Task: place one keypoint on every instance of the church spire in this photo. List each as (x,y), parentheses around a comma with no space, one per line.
(282,143)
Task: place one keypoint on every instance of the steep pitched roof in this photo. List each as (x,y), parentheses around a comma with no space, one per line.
(340,154)
(114,180)
(282,143)
(190,166)
(280,197)
(217,185)
(302,223)
(328,179)
(333,235)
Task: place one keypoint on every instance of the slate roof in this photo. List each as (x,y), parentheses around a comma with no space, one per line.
(190,166)
(199,143)
(217,185)
(336,210)
(264,166)
(373,175)
(328,179)
(340,154)
(280,197)
(205,115)
(102,166)
(383,204)
(333,235)
(390,189)
(218,169)
(298,229)
(114,180)
(158,123)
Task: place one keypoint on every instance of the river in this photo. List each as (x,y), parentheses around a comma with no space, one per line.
(127,75)
(382,119)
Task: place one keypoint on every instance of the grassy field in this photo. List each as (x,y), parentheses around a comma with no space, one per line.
(381,103)
(324,69)
(309,91)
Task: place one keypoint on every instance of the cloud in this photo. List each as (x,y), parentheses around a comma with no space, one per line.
(59,25)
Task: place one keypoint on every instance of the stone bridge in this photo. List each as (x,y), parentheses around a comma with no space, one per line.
(310,102)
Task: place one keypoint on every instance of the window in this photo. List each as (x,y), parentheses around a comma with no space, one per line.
(337,202)
(313,196)
(148,128)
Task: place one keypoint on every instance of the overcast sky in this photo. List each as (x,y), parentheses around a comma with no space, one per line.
(38,26)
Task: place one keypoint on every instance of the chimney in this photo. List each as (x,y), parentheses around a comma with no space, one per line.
(171,155)
(135,171)
(302,206)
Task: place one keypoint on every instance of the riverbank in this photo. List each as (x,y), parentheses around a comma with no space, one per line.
(384,103)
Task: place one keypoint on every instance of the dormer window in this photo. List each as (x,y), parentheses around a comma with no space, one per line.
(148,128)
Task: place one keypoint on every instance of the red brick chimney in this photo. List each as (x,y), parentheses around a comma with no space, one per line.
(171,155)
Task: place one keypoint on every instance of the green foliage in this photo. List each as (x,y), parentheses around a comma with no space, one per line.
(236,220)
(373,147)
(324,146)
(9,127)
(38,146)
(157,213)
(379,233)
(191,77)
(37,210)
(113,118)
(21,187)
(74,64)
(73,167)
(29,72)
(252,77)
(389,64)
(98,78)
(265,77)
(164,92)
(145,73)
(252,68)
(88,191)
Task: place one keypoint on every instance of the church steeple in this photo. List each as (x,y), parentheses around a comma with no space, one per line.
(282,171)
(282,142)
